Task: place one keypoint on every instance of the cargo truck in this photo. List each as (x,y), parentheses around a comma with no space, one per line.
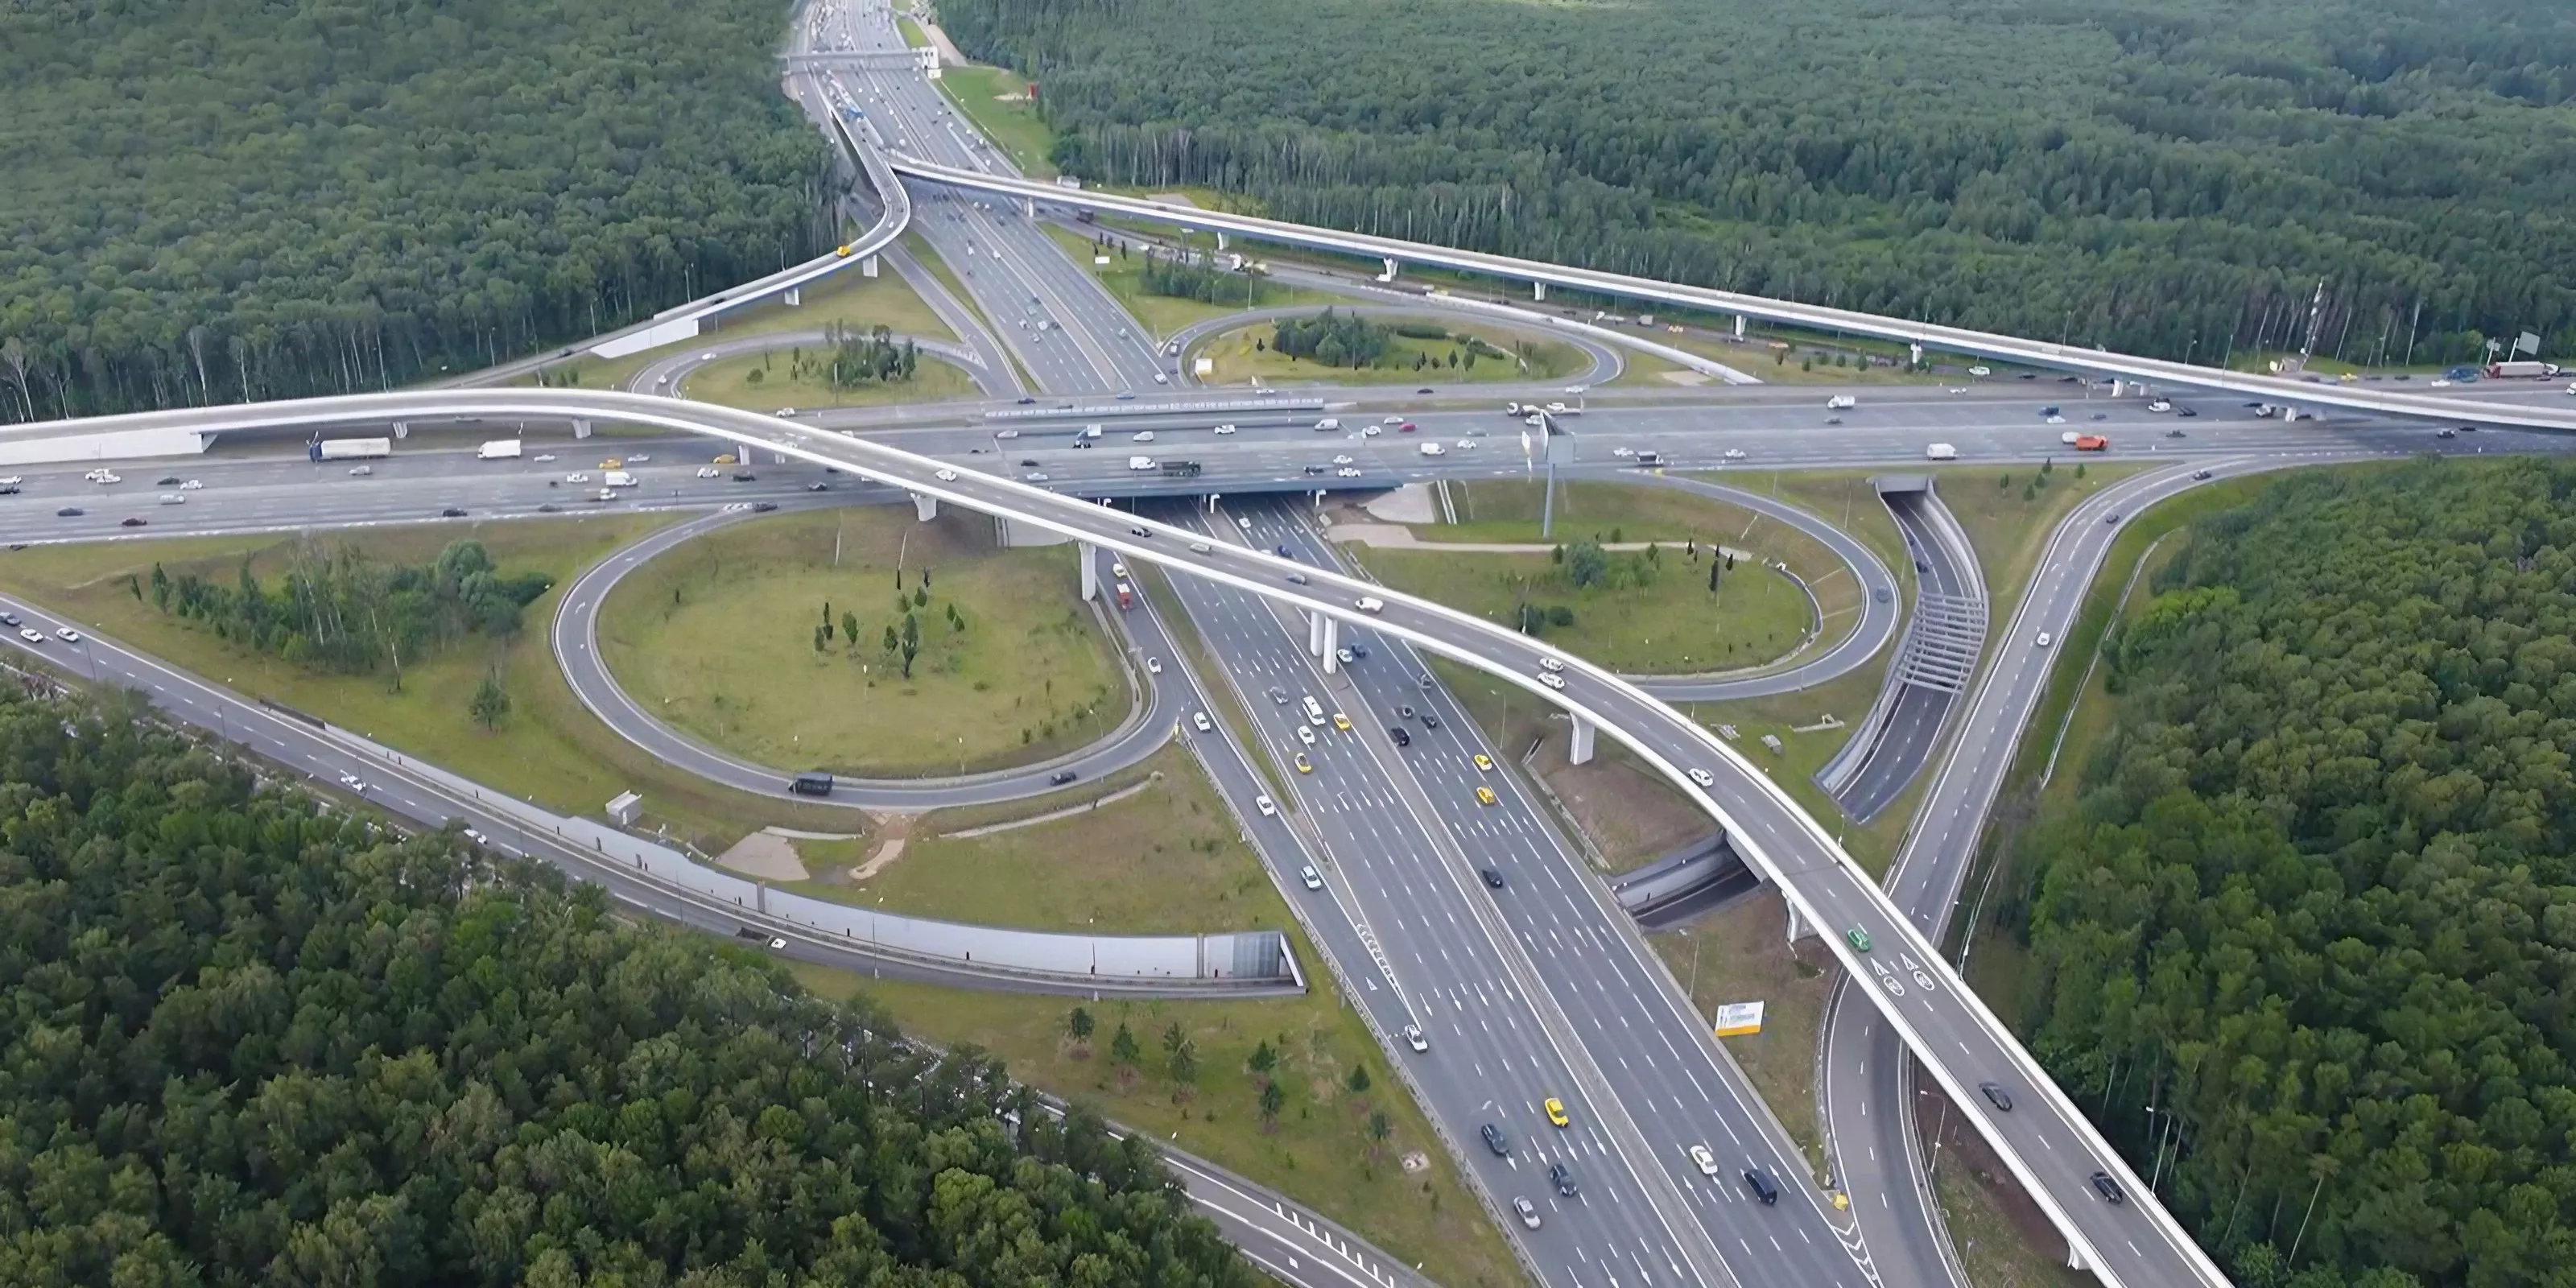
(1126,597)
(348,449)
(1182,469)
(2525,370)
(2092,443)
(499,449)
(1940,452)
(616,478)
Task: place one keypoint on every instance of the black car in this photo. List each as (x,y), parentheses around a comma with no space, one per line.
(763,507)
(1029,464)
(1996,1095)
(2468,429)
(1314,469)
(2446,433)
(1494,1140)
(1430,721)
(68,512)
(136,522)
(1027,401)
(1760,1183)
(2108,1188)
(1564,1178)
(1404,713)
(9,489)
(1423,390)
(2176,433)
(1282,552)
(1492,877)
(2186,411)
(451,512)
(2200,476)
(1138,532)
(172,481)
(10,620)
(744,476)
(1060,777)
(549,508)
(1403,736)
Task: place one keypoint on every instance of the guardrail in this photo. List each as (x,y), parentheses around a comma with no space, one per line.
(1949,339)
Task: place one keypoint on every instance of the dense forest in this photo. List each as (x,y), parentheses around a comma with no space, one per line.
(237,199)
(2174,178)
(2316,903)
(338,609)
(248,1041)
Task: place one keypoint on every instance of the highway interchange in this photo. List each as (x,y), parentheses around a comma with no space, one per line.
(1538,988)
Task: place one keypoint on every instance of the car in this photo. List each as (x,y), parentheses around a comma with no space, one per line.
(1370,604)
(1268,807)
(1341,722)
(1413,1038)
(1029,464)
(2106,416)
(638,458)
(2176,433)
(1346,656)
(1563,1177)
(2200,476)
(613,463)
(1126,395)
(1342,460)
(1551,679)
(1996,1095)
(1430,721)
(1484,763)
(2446,433)
(1526,1211)
(1623,451)
(1312,879)
(1423,390)
(745,476)
(1833,420)
(1705,1161)
(1735,453)
(1981,371)
(1485,795)
(1200,547)
(946,476)
(353,782)
(1304,766)
(2044,640)
(1153,666)
(709,471)
(135,521)
(172,481)
(452,512)
(1404,712)
(2057,420)
(1556,1112)
(1495,1140)
(708,356)
(1758,1181)
(576,478)
(2110,1189)
(1701,777)
(550,508)
(1306,735)
(31,637)
(1491,877)
(107,476)
(763,507)
(1407,427)
(818,486)
(1225,429)
(10,620)
(1403,737)
(542,457)
(1037,476)
(1278,696)
(2112,517)
(1144,436)
(2186,411)
(1859,939)
(1347,472)
(1551,664)
(361,471)
(1315,469)
(1199,721)
(1370,431)
(1296,579)
(776,942)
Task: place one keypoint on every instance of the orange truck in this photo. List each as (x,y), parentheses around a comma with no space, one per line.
(2092,443)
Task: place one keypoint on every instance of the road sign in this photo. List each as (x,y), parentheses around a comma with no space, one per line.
(1736,1019)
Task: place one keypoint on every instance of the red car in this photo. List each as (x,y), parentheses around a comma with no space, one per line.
(1407,427)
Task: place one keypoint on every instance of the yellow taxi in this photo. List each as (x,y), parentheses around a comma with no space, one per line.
(1304,766)
(1556,1112)
(613,463)
(1485,796)
(1341,722)
(843,252)
(1484,763)
(726,459)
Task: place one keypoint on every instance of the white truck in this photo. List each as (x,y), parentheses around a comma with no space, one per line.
(499,449)
(1940,452)
(1841,402)
(351,449)
(1433,449)
(616,478)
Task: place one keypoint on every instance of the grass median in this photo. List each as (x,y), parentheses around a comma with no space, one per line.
(1649,611)
(1124,278)
(722,637)
(1459,353)
(770,382)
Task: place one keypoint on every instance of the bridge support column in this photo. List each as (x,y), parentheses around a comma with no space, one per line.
(1090,555)
(1029,207)
(1331,652)
(1798,927)
(1220,241)
(925,507)
(402,429)
(868,266)
(1391,267)
(795,297)
(581,429)
(1581,752)
(1739,326)
(2075,1257)
(1538,290)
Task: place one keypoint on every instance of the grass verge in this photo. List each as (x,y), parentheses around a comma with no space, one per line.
(1501,355)
(1319,1150)
(766,382)
(1739,954)
(848,298)
(997,100)
(1124,278)
(549,750)
(1652,612)
(718,637)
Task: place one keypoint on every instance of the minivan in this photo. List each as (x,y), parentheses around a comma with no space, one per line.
(1761,1185)
(811,784)
(1314,710)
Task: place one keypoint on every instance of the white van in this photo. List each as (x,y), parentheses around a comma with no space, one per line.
(1940,452)
(2069,437)
(1091,431)
(1140,462)
(1314,710)
(1371,604)
(1841,402)
(1433,449)
(1327,425)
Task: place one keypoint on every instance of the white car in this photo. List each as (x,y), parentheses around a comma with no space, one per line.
(1144,436)
(1466,444)
(1370,431)
(1306,735)
(576,478)
(1199,721)
(1705,1161)
(1268,807)
(1199,547)
(1702,777)
(1958,389)
(1735,453)
(2045,639)
(1623,451)
(67,635)
(1551,664)
(108,476)
(1342,460)
(1393,420)
(353,782)
(13,480)
(1008,434)
(1037,476)
(30,635)
(1347,472)
(2441,384)
(776,943)
(193,485)
(785,413)
(361,471)
(709,472)
(946,476)
(706,357)
(543,457)
(1153,666)
(2057,420)
(1225,429)
(637,458)
(1981,371)
(1551,679)
(1308,875)
(1413,1038)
